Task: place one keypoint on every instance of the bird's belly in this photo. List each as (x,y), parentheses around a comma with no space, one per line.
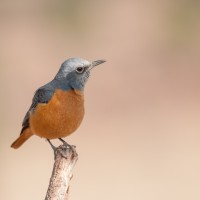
(60,117)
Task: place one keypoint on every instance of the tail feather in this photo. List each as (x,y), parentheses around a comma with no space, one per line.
(25,135)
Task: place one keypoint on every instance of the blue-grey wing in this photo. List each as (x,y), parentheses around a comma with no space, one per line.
(42,95)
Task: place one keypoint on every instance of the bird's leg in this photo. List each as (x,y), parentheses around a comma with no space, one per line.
(63,141)
(53,147)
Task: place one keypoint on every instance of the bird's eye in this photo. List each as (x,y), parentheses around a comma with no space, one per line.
(80,70)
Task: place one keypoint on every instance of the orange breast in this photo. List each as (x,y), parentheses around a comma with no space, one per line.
(60,117)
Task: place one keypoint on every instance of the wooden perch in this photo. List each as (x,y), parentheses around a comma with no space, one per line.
(65,160)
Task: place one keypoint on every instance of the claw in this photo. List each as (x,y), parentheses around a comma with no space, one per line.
(65,143)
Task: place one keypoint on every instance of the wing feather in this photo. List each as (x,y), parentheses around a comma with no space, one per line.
(42,95)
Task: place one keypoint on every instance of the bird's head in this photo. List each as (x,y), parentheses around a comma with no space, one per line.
(75,72)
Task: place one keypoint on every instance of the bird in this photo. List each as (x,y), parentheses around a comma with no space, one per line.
(57,108)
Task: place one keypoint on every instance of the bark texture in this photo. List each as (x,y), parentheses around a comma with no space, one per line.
(65,160)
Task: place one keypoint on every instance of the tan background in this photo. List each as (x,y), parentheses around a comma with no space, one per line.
(140,138)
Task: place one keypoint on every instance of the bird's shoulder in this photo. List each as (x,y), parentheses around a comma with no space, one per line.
(42,95)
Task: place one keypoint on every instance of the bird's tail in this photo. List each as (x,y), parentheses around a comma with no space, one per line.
(25,135)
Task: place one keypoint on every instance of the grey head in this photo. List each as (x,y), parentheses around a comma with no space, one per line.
(74,73)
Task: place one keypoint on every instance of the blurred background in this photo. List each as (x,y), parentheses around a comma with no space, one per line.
(141,132)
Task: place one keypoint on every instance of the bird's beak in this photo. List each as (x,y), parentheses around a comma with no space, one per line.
(96,62)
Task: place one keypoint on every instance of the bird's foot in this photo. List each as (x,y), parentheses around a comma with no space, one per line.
(66,144)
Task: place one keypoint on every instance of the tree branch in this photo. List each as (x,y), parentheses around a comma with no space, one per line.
(65,160)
